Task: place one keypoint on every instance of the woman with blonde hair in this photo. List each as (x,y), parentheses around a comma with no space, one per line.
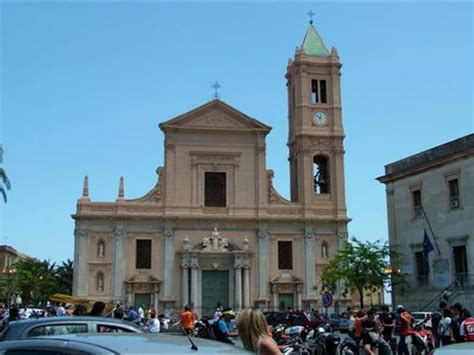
(253,330)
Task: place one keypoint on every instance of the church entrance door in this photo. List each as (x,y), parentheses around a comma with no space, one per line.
(286,300)
(215,291)
(142,300)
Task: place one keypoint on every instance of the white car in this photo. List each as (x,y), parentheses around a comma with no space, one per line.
(420,316)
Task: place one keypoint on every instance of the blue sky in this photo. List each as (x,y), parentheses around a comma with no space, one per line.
(85,85)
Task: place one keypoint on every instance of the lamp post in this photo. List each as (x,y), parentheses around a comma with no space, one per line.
(391,272)
(8,272)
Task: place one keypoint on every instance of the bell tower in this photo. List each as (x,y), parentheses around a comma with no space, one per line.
(315,137)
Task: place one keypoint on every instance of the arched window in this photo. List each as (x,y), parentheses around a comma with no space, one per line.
(101,249)
(99,284)
(324,249)
(321,174)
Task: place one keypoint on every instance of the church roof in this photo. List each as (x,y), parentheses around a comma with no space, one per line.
(313,43)
(215,114)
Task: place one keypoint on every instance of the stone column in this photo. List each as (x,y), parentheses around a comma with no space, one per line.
(309,266)
(238,287)
(81,261)
(246,286)
(275,297)
(156,292)
(194,283)
(263,254)
(185,281)
(299,290)
(118,264)
(168,264)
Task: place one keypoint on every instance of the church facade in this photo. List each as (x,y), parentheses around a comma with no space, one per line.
(213,231)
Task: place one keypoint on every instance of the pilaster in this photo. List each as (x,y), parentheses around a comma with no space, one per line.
(168,264)
(118,263)
(263,260)
(309,265)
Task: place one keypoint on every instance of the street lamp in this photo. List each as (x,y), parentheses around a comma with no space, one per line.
(9,272)
(390,272)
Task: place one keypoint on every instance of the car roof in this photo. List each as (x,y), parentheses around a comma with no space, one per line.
(56,345)
(152,343)
(456,349)
(66,319)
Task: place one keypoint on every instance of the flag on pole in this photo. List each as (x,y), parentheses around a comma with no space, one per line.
(427,248)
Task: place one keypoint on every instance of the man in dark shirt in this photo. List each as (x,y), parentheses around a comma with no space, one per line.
(387,320)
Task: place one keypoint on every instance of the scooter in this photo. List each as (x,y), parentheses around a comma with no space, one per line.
(325,341)
(422,339)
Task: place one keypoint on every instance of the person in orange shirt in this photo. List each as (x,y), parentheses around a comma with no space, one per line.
(359,319)
(187,320)
(405,327)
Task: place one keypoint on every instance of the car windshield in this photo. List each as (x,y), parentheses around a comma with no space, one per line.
(314,316)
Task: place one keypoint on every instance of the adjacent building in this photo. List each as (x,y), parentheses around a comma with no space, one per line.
(214,231)
(433,191)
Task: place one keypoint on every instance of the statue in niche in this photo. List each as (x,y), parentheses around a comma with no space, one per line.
(100,251)
(100,282)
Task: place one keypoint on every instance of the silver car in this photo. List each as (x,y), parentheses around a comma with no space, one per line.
(123,343)
(27,328)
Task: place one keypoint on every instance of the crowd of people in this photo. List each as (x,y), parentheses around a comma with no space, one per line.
(448,325)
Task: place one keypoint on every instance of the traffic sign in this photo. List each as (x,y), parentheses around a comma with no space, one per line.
(327,299)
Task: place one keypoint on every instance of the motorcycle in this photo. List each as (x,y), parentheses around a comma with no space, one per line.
(295,346)
(350,346)
(324,341)
(203,329)
(421,339)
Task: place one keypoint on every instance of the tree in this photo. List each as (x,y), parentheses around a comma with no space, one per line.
(63,277)
(4,181)
(359,266)
(34,280)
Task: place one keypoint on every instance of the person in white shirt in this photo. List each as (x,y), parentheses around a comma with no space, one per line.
(141,313)
(154,324)
(60,311)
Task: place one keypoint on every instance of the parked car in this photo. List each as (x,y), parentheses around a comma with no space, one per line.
(338,322)
(51,346)
(275,318)
(456,349)
(420,316)
(294,318)
(123,343)
(27,328)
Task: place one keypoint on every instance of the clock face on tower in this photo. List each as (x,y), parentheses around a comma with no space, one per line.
(320,119)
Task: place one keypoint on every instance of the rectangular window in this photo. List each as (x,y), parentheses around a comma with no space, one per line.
(323,91)
(314,92)
(421,272)
(417,208)
(143,254)
(460,259)
(318,91)
(453,194)
(285,255)
(215,189)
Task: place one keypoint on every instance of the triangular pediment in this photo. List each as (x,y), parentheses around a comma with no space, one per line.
(215,115)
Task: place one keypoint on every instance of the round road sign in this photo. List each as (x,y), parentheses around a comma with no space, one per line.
(327,299)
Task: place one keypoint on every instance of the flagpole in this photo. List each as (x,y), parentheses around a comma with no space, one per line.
(431,229)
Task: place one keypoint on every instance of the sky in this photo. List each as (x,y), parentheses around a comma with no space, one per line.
(84,86)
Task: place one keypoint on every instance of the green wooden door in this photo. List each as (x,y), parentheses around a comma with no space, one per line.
(142,300)
(286,300)
(215,291)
